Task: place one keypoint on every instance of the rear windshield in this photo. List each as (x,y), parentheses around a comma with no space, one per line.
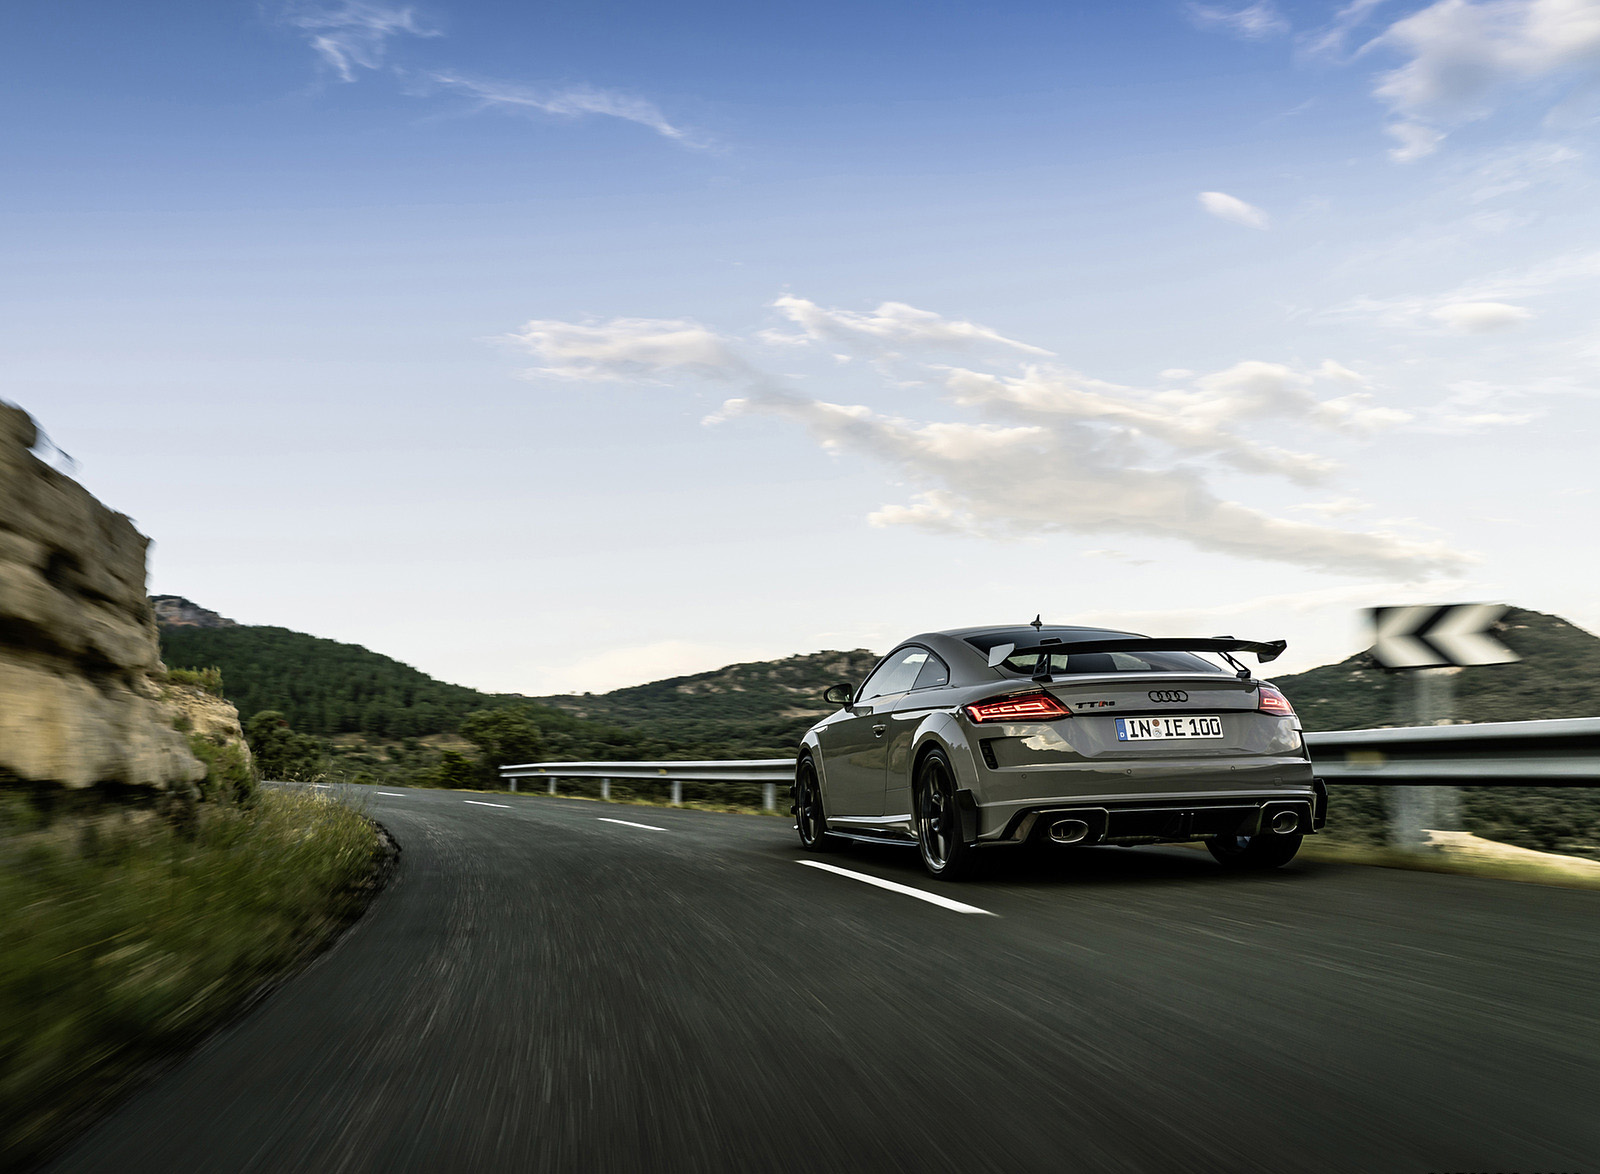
(1110,662)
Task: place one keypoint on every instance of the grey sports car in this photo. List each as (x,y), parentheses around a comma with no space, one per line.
(958,741)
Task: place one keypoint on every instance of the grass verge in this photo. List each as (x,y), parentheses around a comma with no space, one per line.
(123,939)
(1527,871)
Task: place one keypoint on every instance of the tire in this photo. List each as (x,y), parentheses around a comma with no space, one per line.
(810,819)
(1254,853)
(944,853)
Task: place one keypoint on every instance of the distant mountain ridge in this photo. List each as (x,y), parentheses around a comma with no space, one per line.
(761,708)
(764,706)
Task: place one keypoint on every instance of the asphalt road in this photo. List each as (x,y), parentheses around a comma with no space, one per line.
(542,989)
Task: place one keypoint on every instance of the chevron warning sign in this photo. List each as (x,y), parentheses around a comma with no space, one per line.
(1435,636)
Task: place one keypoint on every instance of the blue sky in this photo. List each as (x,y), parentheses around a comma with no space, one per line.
(418,325)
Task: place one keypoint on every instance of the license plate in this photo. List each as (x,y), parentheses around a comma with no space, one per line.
(1138,729)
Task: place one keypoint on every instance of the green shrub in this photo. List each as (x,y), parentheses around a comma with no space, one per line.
(229,774)
(122,939)
(280,753)
(209,679)
(457,771)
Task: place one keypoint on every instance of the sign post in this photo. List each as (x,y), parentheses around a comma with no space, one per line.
(1433,643)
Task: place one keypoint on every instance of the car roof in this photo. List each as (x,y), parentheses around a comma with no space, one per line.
(971,645)
(1080,632)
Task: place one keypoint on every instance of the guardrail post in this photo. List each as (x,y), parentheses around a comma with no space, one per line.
(605,789)
(552,784)
(677,792)
(513,784)
(1411,812)
(1414,811)
(769,796)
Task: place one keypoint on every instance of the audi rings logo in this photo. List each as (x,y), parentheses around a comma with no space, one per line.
(1169,695)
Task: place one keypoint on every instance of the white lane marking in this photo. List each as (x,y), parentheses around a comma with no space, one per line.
(321,787)
(392,794)
(480,803)
(649,827)
(905,890)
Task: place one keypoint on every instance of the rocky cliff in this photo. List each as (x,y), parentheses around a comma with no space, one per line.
(174,611)
(79,663)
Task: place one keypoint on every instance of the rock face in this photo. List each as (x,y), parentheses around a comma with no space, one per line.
(174,611)
(79,661)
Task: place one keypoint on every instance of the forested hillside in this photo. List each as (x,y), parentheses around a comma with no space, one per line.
(1558,676)
(322,686)
(357,713)
(375,718)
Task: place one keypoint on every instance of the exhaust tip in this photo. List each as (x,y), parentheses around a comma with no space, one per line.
(1285,822)
(1068,831)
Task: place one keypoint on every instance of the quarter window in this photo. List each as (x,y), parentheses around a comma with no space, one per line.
(895,675)
(934,673)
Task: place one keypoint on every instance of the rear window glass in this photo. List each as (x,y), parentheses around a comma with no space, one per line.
(1066,662)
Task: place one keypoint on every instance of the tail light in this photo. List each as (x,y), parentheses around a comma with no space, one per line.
(1274,702)
(1021,707)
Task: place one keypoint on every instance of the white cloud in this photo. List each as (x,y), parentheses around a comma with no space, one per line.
(628,348)
(1337,507)
(892,324)
(1477,317)
(1340,373)
(1055,452)
(1357,412)
(1226,207)
(1415,139)
(356,34)
(569,102)
(1462,57)
(1254,21)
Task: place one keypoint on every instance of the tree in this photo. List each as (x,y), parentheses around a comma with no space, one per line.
(280,753)
(504,736)
(456,771)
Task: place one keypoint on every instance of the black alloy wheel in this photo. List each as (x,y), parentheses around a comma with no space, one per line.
(944,853)
(1254,853)
(809,818)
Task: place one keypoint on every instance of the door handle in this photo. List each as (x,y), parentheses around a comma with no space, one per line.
(877,731)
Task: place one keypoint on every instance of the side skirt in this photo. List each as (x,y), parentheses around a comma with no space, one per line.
(876,829)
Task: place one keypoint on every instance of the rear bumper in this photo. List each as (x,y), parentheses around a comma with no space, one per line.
(1162,820)
(1005,797)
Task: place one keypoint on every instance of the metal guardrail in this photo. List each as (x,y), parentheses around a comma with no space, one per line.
(1556,753)
(771,772)
(739,770)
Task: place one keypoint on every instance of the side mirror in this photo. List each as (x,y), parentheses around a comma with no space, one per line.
(839,694)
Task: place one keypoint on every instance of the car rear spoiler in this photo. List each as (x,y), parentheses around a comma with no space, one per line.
(1265,650)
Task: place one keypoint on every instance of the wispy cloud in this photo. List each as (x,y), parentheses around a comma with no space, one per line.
(1331,38)
(1463,58)
(892,325)
(1486,303)
(567,102)
(1232,208)
(1049,451)
(1254,21)
(355,35)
